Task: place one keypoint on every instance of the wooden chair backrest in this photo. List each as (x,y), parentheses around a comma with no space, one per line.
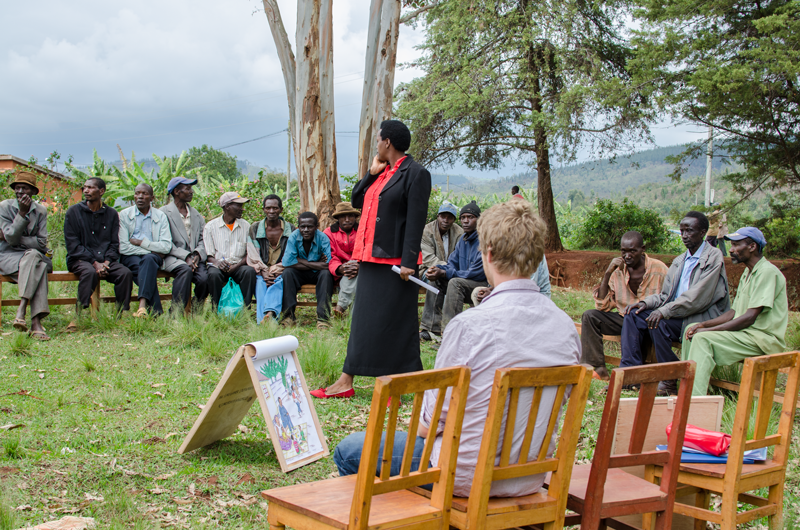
(448,381)
(761,373)
(505,396)
(648,377)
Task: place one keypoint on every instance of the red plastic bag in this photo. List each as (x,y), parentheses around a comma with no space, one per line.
(711,442)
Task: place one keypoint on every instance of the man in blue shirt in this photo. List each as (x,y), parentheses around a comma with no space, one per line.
(464,270)
(695,289)
(306,258)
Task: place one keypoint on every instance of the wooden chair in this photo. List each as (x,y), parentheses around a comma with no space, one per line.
(365,501)
(601,491)
(734,479)
(544,507)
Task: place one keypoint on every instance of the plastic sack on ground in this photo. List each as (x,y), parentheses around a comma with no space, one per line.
(710,442)
(231,301)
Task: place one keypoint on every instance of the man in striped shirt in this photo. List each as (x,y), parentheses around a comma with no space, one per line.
(628,280)
(225,239)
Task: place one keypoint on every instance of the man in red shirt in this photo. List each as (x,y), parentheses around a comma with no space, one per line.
(344,269)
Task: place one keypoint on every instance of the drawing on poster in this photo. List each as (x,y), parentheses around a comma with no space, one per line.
(288,407)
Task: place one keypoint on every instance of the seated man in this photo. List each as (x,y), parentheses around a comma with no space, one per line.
(694,290)
(439,240)
(144,240)
(755,325)
(464,270)
(266,244)
(225,239)
(628,280)
(305,261)
(23,251)
(515,326)
(91,234)
(187,257)
(342,235)
(541,278)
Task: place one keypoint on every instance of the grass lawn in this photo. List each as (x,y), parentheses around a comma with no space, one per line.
(101,414)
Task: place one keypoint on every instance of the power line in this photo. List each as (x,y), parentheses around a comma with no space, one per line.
(255,139)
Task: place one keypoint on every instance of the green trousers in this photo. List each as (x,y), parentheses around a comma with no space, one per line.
(716,348)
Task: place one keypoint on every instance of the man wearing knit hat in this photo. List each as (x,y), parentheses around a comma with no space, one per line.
(464,270)
(23,248)
(439,240)
(757,321)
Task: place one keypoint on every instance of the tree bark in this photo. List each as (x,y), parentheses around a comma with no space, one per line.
(327,183)
(285,55)
(379,69)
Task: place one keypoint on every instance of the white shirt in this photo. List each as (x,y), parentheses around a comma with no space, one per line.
(223,243)
(515,326)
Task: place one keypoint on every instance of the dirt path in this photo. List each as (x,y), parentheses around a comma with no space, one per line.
(584,269)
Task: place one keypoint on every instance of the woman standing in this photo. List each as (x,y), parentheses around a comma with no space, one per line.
(393,199)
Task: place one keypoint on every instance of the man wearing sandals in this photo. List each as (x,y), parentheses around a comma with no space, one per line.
(23,248)
(144,240)
(514,326)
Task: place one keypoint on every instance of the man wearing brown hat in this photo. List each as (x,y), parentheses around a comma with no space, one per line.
(344,269)
(225,239)
(23,247)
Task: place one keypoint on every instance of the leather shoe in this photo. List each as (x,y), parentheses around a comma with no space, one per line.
(667,388)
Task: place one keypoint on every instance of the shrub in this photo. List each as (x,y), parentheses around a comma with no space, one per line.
(608,221)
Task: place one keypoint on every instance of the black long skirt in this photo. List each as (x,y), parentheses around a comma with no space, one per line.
(384,333)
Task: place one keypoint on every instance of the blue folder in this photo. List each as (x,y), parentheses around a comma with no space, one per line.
(692,456)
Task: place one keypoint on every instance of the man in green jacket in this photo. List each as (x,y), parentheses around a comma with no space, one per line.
(755,325)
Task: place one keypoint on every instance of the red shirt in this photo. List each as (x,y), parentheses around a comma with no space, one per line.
(342,245)
(369,215)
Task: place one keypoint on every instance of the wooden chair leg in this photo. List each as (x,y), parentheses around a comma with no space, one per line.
(776,498)
(95,303)
(274,524)
(702,500)
(648,522)
(188,309)
(1,303)
(730,501)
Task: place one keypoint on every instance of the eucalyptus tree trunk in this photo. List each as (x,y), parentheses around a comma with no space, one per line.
(379,68)
(308,78)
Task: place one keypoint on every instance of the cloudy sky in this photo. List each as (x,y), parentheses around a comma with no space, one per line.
(161,76)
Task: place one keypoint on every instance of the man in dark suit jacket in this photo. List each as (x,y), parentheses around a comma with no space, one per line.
(187,259)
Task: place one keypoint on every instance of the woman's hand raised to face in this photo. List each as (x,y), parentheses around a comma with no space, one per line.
(377,166)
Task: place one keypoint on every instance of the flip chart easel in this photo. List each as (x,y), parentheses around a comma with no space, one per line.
(269,372)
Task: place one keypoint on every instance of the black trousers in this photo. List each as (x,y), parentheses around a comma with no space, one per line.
(145,275)
(182,285)
(245,276)
(595,324)
(118,274)
(293,279)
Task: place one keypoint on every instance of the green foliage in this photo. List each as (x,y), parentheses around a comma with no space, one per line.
(20,344)
(209,162)
(732,65)
(608,221)
(13,449)
(8,519)
(99,168)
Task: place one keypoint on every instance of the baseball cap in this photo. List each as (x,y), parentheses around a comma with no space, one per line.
(751,232)
(448,207)
(177,181)
(231,196)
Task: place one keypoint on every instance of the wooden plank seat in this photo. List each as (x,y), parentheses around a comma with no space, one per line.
(310,288)
(614,360)
(65,276)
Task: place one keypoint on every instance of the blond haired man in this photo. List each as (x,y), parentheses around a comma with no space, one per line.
(516,326)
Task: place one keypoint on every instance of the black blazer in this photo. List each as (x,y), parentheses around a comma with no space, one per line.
(402,212)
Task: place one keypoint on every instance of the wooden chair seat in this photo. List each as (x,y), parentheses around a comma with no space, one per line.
(537,501)
(718,470)
(621,489)
(329,502)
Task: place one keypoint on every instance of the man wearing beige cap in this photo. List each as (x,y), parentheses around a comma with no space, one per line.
(225,239)
(23,248)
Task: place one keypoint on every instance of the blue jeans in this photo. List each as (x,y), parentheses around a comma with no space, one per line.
(268,298)
(347,454)
(145,268)
(634,331)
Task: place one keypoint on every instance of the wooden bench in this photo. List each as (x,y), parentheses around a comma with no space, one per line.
(614,361)
(65,276)
(311,289)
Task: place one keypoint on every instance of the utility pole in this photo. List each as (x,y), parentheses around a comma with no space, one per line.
(708,166)
(288,160)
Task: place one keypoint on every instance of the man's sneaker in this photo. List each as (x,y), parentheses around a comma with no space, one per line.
(667,388)
(424,335)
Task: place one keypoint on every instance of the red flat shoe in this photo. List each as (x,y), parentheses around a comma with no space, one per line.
(320,393)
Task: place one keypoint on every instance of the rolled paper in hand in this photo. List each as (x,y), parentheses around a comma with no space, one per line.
(416,280)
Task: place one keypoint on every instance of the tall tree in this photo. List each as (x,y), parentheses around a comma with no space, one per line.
(308,78)
(208,160)
(733,65)
(508,78)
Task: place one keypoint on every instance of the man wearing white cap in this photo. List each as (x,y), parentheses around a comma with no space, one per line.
(225,239)
(757,321)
